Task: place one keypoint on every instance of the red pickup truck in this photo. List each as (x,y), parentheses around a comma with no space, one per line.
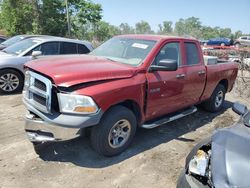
(130,81)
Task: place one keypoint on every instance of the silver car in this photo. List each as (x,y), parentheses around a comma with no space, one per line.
(15,56)
(2,39)
(243,40)
(15,39)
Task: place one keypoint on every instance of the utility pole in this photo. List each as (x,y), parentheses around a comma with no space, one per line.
(68,20)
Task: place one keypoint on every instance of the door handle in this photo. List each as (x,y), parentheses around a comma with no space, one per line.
(179,76)
(201,72)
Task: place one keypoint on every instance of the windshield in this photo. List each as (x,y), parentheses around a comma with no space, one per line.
(125,50)
(21,46)
(12,40)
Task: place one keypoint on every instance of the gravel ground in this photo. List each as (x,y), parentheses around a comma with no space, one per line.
(155,158)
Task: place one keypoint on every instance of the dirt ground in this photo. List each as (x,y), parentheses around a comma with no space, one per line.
(155,158)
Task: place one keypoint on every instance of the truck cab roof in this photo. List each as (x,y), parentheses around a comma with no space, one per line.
(154,37)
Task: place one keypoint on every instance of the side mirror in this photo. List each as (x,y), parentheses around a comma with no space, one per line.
(35,54)
(165,65)
(239,108)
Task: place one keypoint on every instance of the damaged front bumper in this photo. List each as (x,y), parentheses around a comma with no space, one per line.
(38,130)
(42,127)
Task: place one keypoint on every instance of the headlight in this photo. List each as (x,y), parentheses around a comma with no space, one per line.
(26,84)
(27,79)
(76,104)
(199,163)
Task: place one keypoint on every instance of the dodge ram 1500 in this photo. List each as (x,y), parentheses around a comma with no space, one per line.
(130,81)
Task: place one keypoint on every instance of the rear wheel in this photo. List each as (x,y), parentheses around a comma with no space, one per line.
(11,81)
(216,101)
(237,45)
(115,132)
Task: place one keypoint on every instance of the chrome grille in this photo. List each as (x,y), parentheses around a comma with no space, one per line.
(37,91)
(39,99)
(40,85)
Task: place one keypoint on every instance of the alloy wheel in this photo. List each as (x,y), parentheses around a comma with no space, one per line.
(9,82)
(119,133)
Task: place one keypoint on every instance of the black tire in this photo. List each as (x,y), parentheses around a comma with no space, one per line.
(211,104)
(237,44)
(38,147)
(15,87)
(100,134)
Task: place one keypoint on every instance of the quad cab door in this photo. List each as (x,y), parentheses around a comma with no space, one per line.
(170,91)
(195,72)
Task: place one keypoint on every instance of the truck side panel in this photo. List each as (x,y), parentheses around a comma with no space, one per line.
(111,93)
(217,73)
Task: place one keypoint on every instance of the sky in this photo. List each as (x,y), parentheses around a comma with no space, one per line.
(234,14)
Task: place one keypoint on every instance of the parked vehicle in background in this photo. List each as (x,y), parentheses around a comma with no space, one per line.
(222,160)
(243,40)
(15,56)
(203,42)
(246,62)
(219,42)
(2,39)
(14,40)
(130,81)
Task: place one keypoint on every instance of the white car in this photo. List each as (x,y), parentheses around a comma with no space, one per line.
(243,40)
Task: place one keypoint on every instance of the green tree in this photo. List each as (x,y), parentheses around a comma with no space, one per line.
(82,12)
(165,28)
(85,11)
(17,16)
(114,30)
(225,32)
(237,34)
(52,18)
(125,28)
(104,31)
(190,26)
(209,32)
(46,16)
(143,27)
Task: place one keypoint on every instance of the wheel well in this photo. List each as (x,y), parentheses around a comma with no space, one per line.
(17,70)
(224,82)
(133,106)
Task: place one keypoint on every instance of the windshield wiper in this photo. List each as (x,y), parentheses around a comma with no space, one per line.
(110,59)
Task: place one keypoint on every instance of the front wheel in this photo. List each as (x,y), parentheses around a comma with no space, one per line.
(115,132)
(11,81)
(216,101)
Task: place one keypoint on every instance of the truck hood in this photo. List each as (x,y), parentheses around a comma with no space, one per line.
(70,70)
(230,159)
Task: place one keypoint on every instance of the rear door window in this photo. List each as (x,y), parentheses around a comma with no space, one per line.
(68,48)
(82,49)
(2,40)
(49,48)
(192,53)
